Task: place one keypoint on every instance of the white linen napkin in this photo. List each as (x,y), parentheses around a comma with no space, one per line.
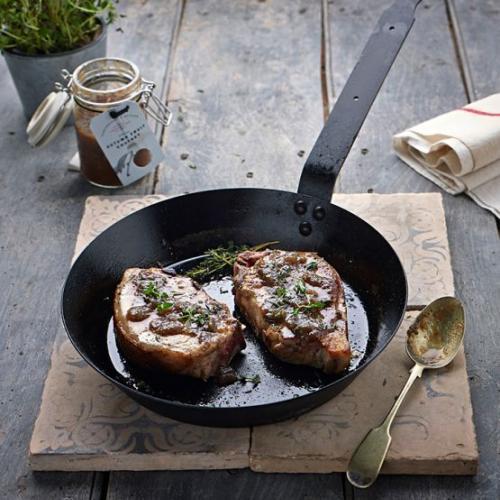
(459,151)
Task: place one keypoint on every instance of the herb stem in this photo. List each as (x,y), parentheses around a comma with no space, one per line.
(221,259)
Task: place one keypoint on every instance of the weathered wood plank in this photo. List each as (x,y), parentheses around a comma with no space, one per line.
(478,33)
(38,219)
(424,82)
(246,93)
(40,206)
(476,28)
(214,485)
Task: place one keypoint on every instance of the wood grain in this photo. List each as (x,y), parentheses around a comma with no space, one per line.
(233,485)
(246,94)
(40,207)
(424,82)
(39,216)
(478,33)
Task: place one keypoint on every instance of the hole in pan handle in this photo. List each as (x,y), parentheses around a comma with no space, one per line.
(335,141)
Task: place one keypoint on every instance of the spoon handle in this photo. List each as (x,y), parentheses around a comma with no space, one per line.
(367,460)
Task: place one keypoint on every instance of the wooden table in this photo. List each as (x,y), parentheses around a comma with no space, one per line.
(250,83)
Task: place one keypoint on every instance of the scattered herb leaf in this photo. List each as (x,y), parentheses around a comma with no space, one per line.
(300,287)
(311,306)
(163,307)
(150,290)
(255,379)
(283,273)
(312,266)
(191,316)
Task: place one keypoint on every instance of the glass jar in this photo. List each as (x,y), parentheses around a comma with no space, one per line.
(96,86)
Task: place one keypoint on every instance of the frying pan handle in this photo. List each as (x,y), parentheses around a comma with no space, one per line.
(335,141)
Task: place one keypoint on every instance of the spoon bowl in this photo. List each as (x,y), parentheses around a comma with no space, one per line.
(435,337)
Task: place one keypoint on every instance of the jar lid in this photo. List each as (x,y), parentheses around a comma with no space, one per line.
(49,118)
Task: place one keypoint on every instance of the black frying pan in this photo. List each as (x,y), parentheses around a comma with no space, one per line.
(176,232)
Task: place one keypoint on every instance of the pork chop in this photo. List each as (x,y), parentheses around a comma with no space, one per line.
(168,322)
(295,303)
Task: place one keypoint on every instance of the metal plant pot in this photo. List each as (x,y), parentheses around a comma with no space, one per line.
(34,75)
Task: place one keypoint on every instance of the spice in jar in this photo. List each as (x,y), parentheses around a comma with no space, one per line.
(96,86)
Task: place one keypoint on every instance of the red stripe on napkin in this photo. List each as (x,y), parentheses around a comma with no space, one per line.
(479,112)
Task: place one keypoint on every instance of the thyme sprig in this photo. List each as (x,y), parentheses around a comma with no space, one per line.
(221,259)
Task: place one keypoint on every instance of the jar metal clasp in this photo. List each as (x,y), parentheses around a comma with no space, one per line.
(153,105)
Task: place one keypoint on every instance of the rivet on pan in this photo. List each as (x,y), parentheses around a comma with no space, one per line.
(319,212)
(300,207)
(305,228)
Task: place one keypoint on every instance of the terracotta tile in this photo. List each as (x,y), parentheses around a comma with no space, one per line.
(432,434)
(85,423)
(415,226)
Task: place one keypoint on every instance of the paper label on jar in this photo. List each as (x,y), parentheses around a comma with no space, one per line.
(127,141)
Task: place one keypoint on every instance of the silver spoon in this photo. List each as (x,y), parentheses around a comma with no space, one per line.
(433,341)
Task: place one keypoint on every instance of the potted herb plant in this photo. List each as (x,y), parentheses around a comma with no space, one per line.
(40,38)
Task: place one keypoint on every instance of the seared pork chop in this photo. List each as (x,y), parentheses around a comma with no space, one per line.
(168,322)
(295,304)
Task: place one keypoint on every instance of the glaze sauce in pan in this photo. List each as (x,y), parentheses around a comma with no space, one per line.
(278,380)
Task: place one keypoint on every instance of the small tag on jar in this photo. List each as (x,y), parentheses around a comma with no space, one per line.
(127,141)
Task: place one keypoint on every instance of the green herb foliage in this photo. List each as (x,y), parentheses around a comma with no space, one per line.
(312,266)
(255,379)
(310,306)
(52,26)
(221,259)
(300,287)
(192,316)
(163,307)
(151,291)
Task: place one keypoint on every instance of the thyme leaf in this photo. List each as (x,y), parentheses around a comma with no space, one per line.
(163,307)
(311,306)
(300,287)
(191,316)
(150,290)
(254,379)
